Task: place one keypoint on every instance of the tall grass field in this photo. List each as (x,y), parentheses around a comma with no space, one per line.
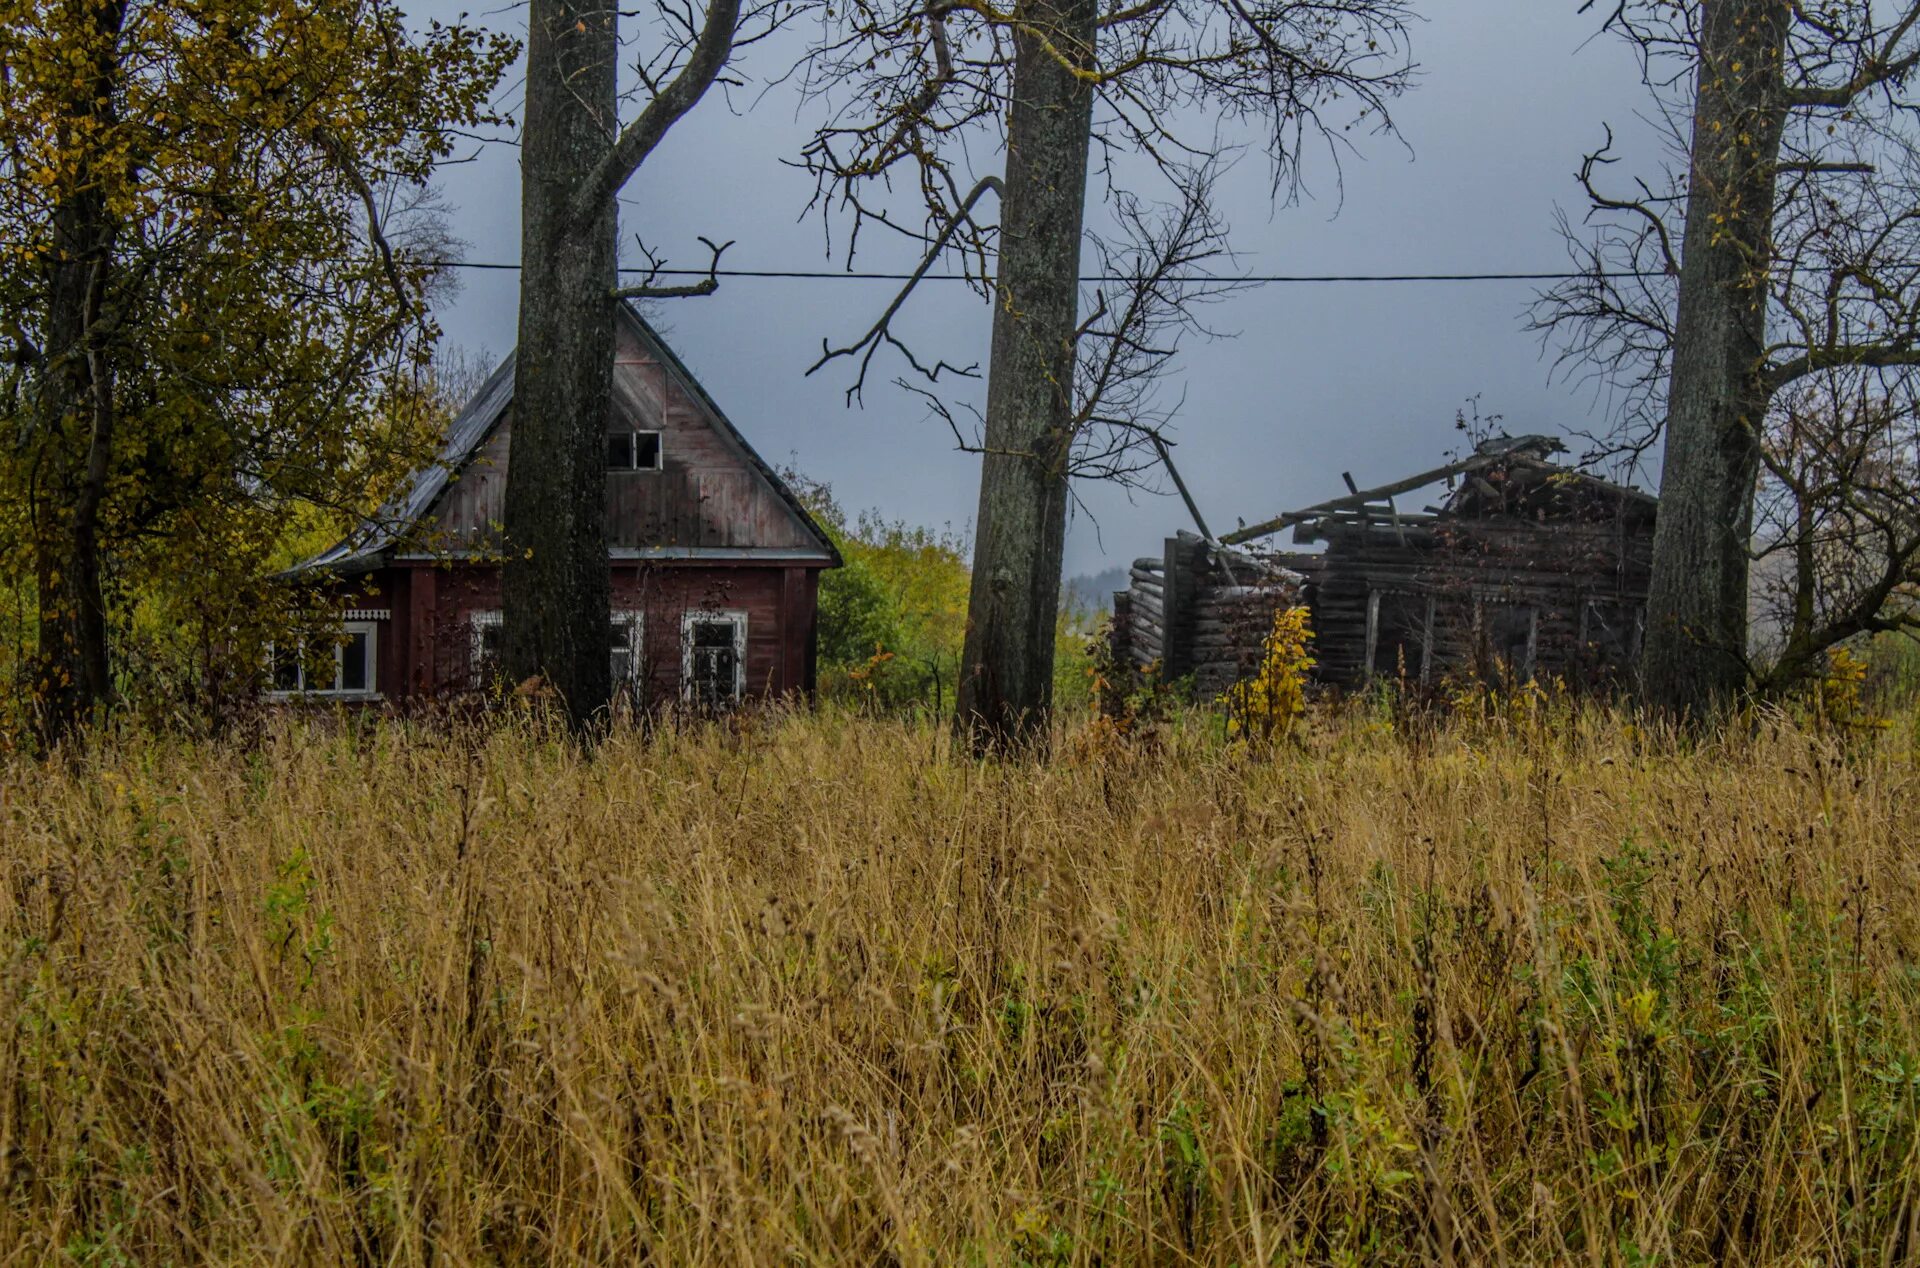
(811,989)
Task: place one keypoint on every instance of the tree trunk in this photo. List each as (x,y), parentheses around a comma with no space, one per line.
(76,416)
(1006,670)
(555,590)
(1695,654)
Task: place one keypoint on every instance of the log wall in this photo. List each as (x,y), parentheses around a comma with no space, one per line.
(1193,612)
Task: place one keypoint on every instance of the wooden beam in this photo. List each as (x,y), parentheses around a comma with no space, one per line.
(1360,497)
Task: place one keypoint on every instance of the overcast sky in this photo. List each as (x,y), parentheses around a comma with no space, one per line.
(1316,379)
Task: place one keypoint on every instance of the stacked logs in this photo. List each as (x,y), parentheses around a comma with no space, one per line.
(1146,611)
(1200,610)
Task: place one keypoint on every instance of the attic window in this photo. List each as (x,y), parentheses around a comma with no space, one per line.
(633,451)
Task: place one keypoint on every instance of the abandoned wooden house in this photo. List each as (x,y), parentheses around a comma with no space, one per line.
(715,564)
(1525,568)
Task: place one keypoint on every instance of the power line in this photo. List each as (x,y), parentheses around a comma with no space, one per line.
(837,275)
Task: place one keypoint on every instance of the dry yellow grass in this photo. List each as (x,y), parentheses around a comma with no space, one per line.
(817,992)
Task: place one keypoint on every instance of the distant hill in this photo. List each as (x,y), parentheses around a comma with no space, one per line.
(1093,591)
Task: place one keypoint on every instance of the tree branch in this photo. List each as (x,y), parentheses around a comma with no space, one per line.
(348,165)
(648,290)
(881,331)
(1879,68)
(1864,356)
(638,139)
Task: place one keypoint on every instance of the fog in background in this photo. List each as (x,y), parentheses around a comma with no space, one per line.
(1316,379)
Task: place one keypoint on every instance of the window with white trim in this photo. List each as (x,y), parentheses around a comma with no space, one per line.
(623,644)
(485,635)
(629,450)
(353,670)
(713,658)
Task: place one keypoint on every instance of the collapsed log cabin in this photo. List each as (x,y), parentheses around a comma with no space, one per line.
(1523,569)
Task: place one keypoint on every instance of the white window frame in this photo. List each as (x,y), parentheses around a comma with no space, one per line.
(335,692)
(633,435)
(738,618)
(636,623)
(478,622)
(481,620)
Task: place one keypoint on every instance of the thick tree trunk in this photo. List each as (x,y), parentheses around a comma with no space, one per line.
(556,594)
(75,423)
(1006,671)
(76,430)
(1694,659)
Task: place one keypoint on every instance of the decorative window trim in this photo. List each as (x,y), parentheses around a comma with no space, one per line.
(477,623)
(347,629)
(636,623)
(738,618)
(633,465)
(483,619)
(367,614)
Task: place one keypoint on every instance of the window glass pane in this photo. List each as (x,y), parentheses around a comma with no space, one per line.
(488,639)
(646,456)
(620,647)
(354,657)
(620,451)
(715,663)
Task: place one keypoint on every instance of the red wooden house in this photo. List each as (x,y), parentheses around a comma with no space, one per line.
(715,564)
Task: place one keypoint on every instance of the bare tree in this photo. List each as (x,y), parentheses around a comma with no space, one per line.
(575,158)
(1785,248)
(914,82)
(1837,523)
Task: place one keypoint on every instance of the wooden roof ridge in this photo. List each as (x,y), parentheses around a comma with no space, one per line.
(400,517)
(1530,450)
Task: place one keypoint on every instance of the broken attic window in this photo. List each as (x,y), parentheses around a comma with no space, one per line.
(633,451)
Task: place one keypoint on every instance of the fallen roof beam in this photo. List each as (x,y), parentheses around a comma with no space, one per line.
(1352,500)
(1494,453)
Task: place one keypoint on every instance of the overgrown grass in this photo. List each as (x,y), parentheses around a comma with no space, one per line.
(814,991)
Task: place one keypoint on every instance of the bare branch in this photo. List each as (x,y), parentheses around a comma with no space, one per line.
(348,165)
(650,289)
(1885,65)
(638,139)
(881,332)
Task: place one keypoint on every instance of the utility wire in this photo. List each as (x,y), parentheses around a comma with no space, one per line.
(1229,279)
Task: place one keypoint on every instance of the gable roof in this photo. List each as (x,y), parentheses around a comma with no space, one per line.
(395,523)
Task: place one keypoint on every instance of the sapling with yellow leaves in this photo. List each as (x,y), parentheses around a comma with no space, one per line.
(1266,706)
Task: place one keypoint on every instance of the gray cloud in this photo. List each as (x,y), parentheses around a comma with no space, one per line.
(1319,378)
